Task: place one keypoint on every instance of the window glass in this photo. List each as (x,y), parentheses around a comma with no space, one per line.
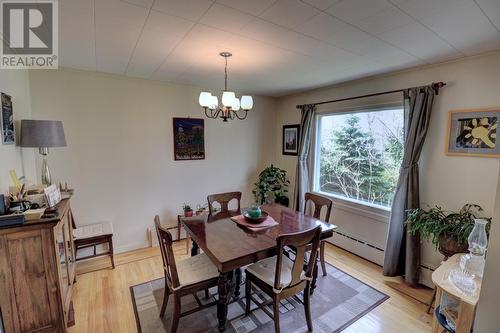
(359,155)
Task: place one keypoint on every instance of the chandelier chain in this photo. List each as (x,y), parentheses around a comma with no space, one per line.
(225,74)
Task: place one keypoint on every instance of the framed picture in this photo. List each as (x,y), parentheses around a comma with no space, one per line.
(7,121)
(291,136)
(189,139)
(473,132)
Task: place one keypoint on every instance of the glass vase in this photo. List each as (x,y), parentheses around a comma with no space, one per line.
(478,244)
(472,263)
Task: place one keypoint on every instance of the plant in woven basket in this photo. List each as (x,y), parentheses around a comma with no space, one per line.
(447,230)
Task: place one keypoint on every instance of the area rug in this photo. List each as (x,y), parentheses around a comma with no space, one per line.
(338,301)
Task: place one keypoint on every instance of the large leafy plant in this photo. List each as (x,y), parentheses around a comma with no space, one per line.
(434,223)
(271,186)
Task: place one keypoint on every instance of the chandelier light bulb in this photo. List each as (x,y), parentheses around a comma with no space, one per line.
(205,99)
(246,102)
(214,104)
(228,98)
(236,104)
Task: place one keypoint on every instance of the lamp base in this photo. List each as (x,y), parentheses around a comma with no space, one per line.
(46,178)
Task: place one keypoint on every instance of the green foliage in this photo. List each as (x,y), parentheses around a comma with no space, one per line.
(352,165)
(186,207)
(435,222)
(272,185)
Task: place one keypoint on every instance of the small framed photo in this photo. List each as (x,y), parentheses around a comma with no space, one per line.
(473,132)
(7,120)
(291,137)
(52,195)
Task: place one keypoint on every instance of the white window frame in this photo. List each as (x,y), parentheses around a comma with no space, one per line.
(377,212)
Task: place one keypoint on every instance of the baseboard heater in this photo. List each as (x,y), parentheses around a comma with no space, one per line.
(358,240)
(373,253)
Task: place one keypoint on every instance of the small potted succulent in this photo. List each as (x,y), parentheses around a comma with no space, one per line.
(447,230)
(188,211)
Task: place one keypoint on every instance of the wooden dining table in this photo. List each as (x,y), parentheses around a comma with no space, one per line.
(231,246)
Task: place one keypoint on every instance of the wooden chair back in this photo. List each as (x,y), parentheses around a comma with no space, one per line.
(167,254)
(223,200)
(319,202)
(299,241)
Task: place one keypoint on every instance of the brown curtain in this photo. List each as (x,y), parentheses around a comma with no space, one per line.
(402,253)
(302,174)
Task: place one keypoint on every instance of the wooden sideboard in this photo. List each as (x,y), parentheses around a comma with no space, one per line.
(37,272)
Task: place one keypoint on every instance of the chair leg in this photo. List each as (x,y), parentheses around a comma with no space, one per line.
(165,300)
(248,291)
(322,257)
(177,314)
(207,294)
(111,252)
(307,308)
(276,308)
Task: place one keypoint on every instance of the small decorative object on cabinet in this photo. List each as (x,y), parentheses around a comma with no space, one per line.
(37,272)
(456,309)
(291,138)
(473,132)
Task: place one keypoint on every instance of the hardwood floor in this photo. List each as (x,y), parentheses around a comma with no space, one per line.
(102,296)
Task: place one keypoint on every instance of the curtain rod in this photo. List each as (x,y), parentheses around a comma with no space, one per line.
(435,85)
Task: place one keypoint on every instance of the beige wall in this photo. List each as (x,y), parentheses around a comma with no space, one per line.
(16,84)
(120,158)
(446,181)
(487,319)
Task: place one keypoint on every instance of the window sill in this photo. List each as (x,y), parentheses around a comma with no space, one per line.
(377,213)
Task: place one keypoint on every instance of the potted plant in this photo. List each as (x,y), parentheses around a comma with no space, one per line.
(448,230)
(272,186)
(188,211)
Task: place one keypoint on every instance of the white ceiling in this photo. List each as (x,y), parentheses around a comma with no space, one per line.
(279,46)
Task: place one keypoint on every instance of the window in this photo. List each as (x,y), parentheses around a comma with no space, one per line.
(359,154)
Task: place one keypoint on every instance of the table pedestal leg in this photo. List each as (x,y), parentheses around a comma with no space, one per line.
(194,249)
(225,289)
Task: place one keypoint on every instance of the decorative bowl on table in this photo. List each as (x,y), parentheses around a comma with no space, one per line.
(256,219)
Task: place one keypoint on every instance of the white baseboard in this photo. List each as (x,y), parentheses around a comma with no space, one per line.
(132,246)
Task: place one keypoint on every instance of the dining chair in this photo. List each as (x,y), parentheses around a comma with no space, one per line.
(223,200)
(281,277)
(185,277)
(319,202)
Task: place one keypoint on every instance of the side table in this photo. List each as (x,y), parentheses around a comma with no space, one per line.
(466,303)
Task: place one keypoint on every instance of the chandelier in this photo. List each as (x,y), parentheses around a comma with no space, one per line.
(232,107)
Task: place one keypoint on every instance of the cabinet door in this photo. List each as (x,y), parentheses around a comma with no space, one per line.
(63,259)
(34,283)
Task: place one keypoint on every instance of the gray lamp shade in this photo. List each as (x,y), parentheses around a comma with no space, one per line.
(42,133)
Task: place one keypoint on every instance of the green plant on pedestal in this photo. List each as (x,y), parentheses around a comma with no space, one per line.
(272,186)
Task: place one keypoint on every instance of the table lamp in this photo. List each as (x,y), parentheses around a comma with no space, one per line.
(43,134)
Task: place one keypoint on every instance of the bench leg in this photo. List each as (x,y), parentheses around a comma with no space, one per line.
(110,242)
